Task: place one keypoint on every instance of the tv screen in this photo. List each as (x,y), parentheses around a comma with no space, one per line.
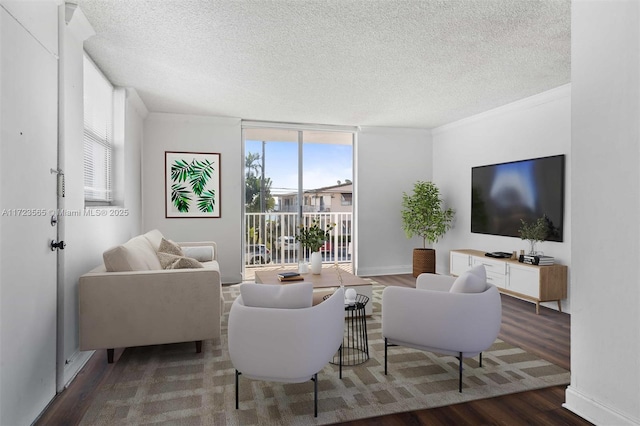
(503,194)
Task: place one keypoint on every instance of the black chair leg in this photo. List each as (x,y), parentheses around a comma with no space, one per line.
(385,356)
(315,395)
(237,375)
(460,378)
(480,356)
(340,350)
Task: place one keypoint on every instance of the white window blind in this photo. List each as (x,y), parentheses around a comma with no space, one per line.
(98,135)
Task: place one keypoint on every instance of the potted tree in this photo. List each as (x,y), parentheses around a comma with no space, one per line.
(423,215)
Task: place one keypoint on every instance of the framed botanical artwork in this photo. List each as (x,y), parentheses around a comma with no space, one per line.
(192,184)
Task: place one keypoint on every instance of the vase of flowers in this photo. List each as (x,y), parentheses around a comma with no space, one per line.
(534,232)
(316,263)
(311,238)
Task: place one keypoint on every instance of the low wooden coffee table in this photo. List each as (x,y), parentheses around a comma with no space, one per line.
(323,283)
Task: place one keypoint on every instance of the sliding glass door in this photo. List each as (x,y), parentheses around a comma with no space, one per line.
(293,176)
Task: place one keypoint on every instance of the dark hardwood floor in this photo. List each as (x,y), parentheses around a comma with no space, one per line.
(547,335)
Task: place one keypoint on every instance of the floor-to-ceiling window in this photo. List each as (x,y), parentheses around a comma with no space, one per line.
(292,176)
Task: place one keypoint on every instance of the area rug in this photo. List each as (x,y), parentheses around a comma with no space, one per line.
(171,384)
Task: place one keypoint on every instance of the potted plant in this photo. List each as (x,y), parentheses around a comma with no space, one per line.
(534,232)
(312,238)
(424,216)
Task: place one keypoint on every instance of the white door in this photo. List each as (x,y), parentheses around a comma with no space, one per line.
(28,152)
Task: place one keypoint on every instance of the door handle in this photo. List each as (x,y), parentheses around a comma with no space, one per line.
(57,245)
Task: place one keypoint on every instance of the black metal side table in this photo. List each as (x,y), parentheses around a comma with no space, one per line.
(355,343)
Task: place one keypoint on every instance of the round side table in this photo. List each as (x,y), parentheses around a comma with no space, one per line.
(355,343)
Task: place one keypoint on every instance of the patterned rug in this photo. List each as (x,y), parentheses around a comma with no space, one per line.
(171,384)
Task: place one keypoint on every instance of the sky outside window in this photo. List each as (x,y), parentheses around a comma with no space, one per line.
(324,164)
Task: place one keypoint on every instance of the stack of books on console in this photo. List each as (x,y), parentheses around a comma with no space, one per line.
(290,276)
(536,260)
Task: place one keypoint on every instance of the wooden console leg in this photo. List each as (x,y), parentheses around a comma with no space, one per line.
(537,308)
(198,346)
(110,356)
(559,306)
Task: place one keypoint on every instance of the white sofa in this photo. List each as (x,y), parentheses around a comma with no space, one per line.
(130,300)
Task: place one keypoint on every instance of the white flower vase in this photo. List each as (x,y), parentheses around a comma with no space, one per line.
(316,262)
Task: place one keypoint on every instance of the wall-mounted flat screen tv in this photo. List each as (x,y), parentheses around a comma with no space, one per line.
(503,194)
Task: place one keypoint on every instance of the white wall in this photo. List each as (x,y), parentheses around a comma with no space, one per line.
(605,322)
(189,133)
(87,236)
(388,162)
(538,126)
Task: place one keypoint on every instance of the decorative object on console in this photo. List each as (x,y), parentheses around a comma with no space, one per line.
(536,260)
(312,237)
(534,232)
(499,254)
(423,215)
(192,185)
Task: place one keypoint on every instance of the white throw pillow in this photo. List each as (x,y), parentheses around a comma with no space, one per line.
(480,271)
(284,296)
(199,253)
(154,237)
(469,282)
(134,255)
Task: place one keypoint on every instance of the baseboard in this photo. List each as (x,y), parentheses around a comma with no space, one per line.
(593,411)
(74,364)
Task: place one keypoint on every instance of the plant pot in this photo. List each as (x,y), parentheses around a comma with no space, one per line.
(316,262)
(424,260)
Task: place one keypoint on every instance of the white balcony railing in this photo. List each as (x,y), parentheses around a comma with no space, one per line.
(270,238)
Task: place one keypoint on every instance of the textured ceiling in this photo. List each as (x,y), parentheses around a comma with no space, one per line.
(349,62)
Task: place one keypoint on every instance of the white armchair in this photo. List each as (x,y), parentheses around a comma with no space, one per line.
(275,334)
(445,315)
